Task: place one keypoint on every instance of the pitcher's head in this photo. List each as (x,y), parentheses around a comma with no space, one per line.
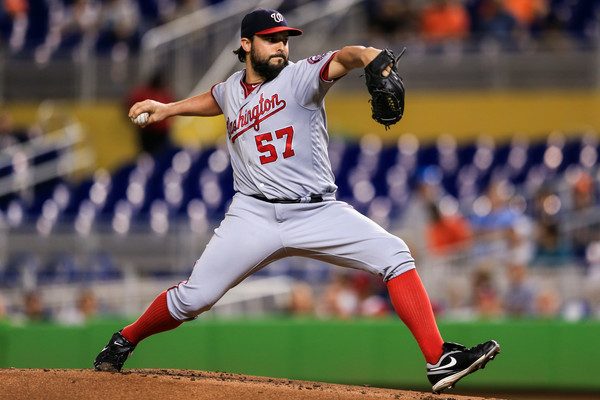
(264,40)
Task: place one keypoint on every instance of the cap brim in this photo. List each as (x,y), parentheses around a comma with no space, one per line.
(290,31)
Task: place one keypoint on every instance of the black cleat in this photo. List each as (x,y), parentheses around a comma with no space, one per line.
(457,362)
(113,355)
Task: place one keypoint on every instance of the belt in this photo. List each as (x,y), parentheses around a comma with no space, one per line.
(314,198)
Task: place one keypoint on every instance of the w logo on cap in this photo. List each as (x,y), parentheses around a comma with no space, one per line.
(277,17)
(264,22)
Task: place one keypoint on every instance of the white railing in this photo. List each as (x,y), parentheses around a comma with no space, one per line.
(170,33)
(189,45)
(26,173)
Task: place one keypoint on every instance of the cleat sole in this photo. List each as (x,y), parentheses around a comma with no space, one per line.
(105,367)
(451,380)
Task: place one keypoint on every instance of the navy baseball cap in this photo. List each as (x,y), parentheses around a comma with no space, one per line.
(265,21)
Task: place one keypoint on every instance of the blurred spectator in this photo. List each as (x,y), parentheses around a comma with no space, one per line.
(444,20)
(576,309)
(551,250)
(371,295)
(34,309)
(14,23)
(340,299)
(486,300)
(527,13)
(155,12)
(3,310)
(415,218)
(80,24)
(391,19)
(583,191)
(521,246)
(495,224)
(496,24)
(301,300)
(153,138)
(456,305)
(591,286)
(547,304)
(119,22)
(585,215)
(352,294)
(551,30)
(447,233)
(580,19)
(519,297)
(86,308)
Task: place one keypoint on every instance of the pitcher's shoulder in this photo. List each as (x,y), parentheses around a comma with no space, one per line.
(236,76)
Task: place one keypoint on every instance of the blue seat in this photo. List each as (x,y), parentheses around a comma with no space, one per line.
(102,267)
(466,152)
(347,163)
(79,193)
(38,26)
(387,157)
(118,189)
(571,153)
(42,192)
(62,269)
(11,271)
(427,155)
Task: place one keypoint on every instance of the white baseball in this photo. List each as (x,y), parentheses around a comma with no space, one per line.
(141,119)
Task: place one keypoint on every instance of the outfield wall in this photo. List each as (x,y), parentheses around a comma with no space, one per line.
(548,355)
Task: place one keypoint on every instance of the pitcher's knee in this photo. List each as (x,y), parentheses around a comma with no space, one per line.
(399,261)
(397,270)
(187,302)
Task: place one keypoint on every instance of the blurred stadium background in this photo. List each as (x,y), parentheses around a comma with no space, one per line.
(491,178)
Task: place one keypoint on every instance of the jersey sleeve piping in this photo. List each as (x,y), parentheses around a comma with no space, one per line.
(324,73)
(212,93)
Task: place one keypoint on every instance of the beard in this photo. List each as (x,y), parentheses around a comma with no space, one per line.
(263,68)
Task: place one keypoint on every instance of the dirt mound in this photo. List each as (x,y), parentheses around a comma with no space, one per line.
(47,384)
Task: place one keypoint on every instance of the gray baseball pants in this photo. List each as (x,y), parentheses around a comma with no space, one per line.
(255,233)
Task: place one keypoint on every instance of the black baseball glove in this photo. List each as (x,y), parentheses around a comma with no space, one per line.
(387,92)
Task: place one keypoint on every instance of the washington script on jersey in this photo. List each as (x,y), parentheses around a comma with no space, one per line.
(252,117)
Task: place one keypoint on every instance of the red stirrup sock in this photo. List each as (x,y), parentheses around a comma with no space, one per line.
(155,319)
(412,305)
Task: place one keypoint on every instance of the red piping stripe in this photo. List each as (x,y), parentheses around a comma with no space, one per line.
(291,31)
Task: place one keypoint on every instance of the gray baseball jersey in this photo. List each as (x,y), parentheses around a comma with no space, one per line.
(277,134)
(277,139)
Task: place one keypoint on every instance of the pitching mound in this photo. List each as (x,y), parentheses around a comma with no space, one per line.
(82,384)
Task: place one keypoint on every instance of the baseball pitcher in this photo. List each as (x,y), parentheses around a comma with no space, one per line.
(285,202)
